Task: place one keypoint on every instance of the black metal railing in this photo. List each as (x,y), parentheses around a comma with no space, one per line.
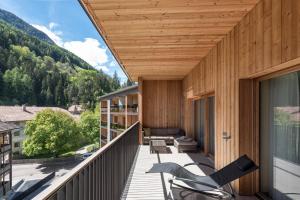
(101,176)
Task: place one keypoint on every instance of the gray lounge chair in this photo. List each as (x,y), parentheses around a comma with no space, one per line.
(212,185)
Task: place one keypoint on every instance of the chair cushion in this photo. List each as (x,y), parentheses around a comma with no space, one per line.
(147,131)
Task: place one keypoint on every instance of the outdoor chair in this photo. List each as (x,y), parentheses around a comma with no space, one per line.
(212,185)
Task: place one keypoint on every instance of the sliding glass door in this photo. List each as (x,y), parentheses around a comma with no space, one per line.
(280,136)
(211,124)
(200,123)
(205,124)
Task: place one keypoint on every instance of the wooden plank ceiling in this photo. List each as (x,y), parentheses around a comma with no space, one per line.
(164,39)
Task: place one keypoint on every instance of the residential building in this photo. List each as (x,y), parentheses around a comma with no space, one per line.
(119,110)
(19,115)
(226,72)
(5,158)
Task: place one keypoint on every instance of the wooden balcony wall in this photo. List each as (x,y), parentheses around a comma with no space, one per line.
(162,103)
(261,43)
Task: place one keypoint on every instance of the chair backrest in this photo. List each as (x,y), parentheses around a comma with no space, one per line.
(238,168)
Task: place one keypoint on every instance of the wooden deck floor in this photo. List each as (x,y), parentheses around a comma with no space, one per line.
(142,186)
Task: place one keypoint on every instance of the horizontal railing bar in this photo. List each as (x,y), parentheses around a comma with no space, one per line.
(61,182)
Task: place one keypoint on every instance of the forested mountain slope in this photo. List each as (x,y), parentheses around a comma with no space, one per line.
(36,72)
(22,25)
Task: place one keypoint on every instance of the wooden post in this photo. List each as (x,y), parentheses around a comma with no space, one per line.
(248,136)
(126,112)
(108,121)
(140,108)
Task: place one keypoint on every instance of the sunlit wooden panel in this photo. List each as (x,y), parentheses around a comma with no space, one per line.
(164,38)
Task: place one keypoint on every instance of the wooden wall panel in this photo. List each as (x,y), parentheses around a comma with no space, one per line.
(266,37)
(162,104)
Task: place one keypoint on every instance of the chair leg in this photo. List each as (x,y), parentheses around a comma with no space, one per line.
(171,183)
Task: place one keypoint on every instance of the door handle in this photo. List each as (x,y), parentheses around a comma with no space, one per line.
(226,136)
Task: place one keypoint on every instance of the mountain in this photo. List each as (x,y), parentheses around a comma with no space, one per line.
(10,35)
(24,26)
(36,72)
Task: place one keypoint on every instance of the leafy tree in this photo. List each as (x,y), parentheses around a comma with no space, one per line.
(115,84)
(127,83)
(86,86)
(89,126)
(18,86)
(51,133)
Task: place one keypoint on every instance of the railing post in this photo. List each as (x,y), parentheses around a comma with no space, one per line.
(108,122)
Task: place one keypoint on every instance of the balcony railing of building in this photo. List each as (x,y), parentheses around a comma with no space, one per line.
(101,176)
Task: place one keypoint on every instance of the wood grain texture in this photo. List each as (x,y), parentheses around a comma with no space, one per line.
(164,30)
(265,41)
(162,104)
(260,40)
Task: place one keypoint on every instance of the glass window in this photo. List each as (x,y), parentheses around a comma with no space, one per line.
(17,133)
(280,136)
(200,122)
(17,144)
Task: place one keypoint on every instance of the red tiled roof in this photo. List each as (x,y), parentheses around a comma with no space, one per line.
(17,114)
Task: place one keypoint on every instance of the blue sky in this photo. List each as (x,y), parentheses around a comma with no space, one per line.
(66,23)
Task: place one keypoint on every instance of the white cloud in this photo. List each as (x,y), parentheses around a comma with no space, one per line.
(113,64)
(55,36)
(52,25)
(89,50)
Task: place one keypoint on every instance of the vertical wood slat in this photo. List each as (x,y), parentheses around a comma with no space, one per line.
(267,37)
(61,194)
(81,189)
(105,176)
(76,195)
(69,190)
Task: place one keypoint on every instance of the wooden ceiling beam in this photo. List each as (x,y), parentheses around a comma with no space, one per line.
(164,46)
(175,10)
(181,51)
(160,56)
(121,4)
(168,22)
(158,77)
(167,16)
(170,31)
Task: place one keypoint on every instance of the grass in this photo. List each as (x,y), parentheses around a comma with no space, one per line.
(91,147)
(68,154)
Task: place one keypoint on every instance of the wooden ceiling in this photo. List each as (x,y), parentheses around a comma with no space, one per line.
(164,39)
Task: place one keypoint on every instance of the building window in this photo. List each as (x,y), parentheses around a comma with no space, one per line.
(17,133)
(17,144)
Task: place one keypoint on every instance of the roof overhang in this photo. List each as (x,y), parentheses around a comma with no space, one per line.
(163,39)
(122,92)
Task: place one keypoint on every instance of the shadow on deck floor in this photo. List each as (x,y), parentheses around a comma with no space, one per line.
(142,186)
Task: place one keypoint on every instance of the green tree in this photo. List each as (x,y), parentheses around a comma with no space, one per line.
(38,73)
(127,83)
(115,84)
(18,86)
(86,86)
(51,133)
(89,126)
